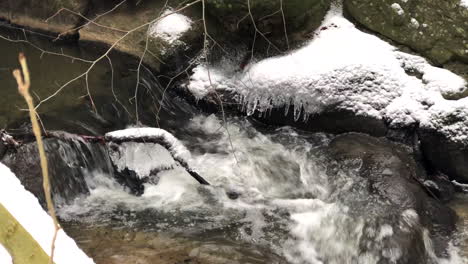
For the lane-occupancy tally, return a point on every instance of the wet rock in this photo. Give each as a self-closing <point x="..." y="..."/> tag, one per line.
<point x="445" y="154"/>
<point x="333" y="120"/>
<point x="392" y="184"/>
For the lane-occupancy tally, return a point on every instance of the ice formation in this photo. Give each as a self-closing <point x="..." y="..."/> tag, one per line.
<point x="348" y="69"/>
<point x="170" y="27"/>
<point x="144" y="159"/>
<point x="24" y="206"/>
<point x="149" y="134"/>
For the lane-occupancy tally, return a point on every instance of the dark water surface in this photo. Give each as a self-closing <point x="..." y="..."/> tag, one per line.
<point x="111" y="83"/>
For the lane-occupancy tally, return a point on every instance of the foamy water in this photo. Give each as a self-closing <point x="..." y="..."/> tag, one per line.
<point x="288" y="203"/>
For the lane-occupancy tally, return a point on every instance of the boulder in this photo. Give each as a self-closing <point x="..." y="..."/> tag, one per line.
<point x="444" y="154"/>
<point x="386" y="187"/>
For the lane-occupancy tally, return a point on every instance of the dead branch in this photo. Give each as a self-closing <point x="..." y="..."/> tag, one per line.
<point x="24" y="83"/>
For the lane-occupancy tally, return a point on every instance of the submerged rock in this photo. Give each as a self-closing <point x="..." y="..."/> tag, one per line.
<point x="107" y="245"/>
<point x="444" y="154"/>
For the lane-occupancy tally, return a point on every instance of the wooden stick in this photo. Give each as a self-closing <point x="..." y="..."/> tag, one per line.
<point x="24" y="84"/>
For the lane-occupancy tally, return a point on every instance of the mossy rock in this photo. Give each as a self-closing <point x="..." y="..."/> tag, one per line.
<point x="300" y="17"/>
<point x="437" y="29"/>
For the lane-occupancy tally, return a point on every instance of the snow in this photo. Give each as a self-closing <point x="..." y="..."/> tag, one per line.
<point x="206" y="79"/>
<point x="177" y="149"/>
<point x="348" y="69"/>
<point x="398" y="9"/>
<point x="170" y="27"/>
<point x="26" y="209"/>
<point x="5" y="257"/>
<point x="464" y="3"/>
<point x="414" y="23"/>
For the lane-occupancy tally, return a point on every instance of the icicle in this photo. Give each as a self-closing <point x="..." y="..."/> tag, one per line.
<point x="287" y="105"/>
<point x="297" y="111"/>
<point x="251" y="106"/>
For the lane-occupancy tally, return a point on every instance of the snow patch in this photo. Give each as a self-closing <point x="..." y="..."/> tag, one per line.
<point x="205" y="79"/>
<point x="398" y="9"/>
<point x="414" y="23"/>
<point x="5" y="257"/>
<point x="24" y="206"/>
<point x="170" y="27"/>
<point x="464" y="3"/>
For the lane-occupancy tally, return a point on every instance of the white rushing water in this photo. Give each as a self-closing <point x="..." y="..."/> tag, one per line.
<point x="287" y="204"/>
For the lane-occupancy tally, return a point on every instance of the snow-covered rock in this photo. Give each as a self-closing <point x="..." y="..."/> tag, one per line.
<point x="344" y="68"/>
<point x="26" y="209"/>
<point x="171" y="26"/>
<point x="346" y="80"/>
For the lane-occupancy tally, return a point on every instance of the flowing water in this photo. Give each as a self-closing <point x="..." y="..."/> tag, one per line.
<point x="294" y="206"/>
<point x="290" y="210"/>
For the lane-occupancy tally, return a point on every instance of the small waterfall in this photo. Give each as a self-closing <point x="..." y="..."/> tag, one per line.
<point x="70" y="159"/>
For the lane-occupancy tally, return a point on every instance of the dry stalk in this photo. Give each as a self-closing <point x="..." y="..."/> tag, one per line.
<point x="24" y="84"/>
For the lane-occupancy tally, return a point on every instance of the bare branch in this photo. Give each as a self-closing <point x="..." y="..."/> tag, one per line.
<point x="24" y="83"/>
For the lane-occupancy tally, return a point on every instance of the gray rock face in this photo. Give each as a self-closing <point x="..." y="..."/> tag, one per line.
<point x="437" y="29"/>
<point x="389" y="180"/>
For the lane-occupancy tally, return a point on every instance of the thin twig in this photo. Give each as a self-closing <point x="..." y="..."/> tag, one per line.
<point x="205" y="51"/>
